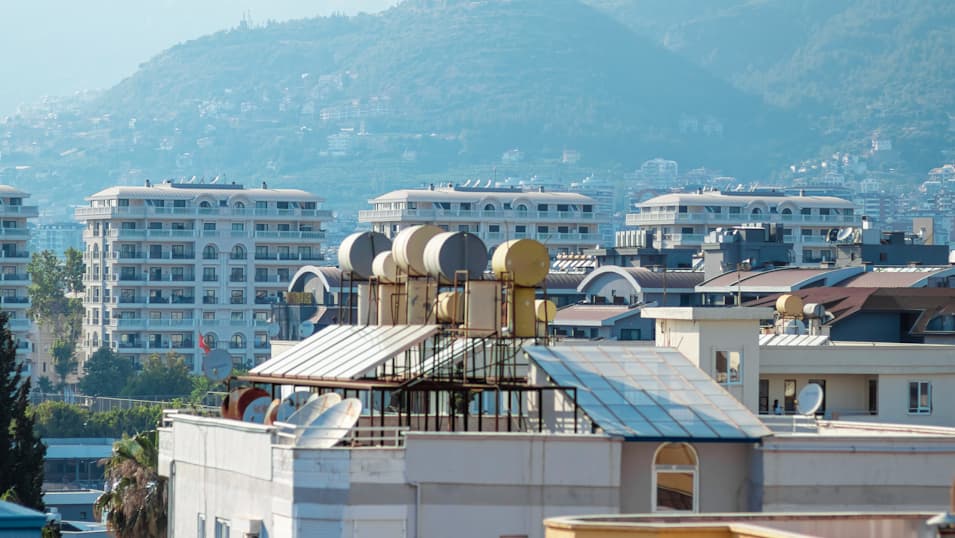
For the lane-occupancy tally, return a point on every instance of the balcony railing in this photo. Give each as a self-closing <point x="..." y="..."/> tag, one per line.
<point x="377" y="215"/>
<point x="289" y="256"/>
<point x="144" y="211"/>
<point x="19" y="210"/>
<point x="15" y="233"/>
<point x="669" y="217"/>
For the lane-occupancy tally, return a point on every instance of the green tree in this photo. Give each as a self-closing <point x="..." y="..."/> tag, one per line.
<point x="161" y="378"/>
<point x="60" y="419"/>
<point x="44" y="385"/>
<point x="50" y="279"/>
<point x="21" y="453"/>
<point x="105" y="373"/>
<point x="64" y="360"/>
<point x="73" y="269"/>
<point x="135" y="497"/>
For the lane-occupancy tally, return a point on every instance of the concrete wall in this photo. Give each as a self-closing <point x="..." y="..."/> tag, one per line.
<point x="875" y="473"/>
<point x="846" y="395"/>
<point x="724" y="478"/>
<point x="484" y="485"/>
<point x="894" y="399"/>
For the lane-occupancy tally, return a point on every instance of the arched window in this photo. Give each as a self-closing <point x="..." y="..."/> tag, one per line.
<point x="238" y="341"/>
<point x="238" y="252"/>
<point x="95" y="250"/>
<point x="210" y="252"/>
<point x="205" y="204"/>
<point x="787" y="211"/>
<point x="212" y="341"/>
<point x="239" y="205"/>
<point x="757" y="211"/>
<point x="675" y="478"/>
<point x="521" y="208"/>
<point x="489" y="207"/>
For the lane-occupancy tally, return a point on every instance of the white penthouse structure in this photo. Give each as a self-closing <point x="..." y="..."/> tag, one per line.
<point x="14" y="257"/>
<point x="167" y="263"/>
<point x="682" y="220"/>
<point x="565" y="222"/>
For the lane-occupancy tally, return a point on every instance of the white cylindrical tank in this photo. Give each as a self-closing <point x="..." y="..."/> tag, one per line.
<point x="525" y="260"/>
<point x="385" y="268"/>
<point x="358" y="250"/>
<point x="449" y="252"/>
<point x="450" y="307"/>
<point x="408" y="247"/>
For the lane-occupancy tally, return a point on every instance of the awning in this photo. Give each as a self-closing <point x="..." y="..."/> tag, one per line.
<point x="344" y="352"/>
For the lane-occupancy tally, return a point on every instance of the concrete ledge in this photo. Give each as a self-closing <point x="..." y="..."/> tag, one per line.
<point x="715" y="313"/>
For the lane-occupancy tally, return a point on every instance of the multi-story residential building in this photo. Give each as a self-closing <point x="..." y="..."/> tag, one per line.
<point x="57" y="237"/>
<point x="167" y="263"/>
<point x="682" y="220"/>
<point x="14" y="257"/>
<point x="563" y="221"/>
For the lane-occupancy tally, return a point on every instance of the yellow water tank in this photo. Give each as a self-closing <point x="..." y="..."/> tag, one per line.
<point x="789" y="306"/>
<point x="521" y="312"/>
<point x="545" y="310"/>
<point x="450" y="307"/>
<point x="525" y="260"/>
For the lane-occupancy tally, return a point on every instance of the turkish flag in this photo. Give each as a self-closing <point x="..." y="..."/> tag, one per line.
<point x="202" y="344"/>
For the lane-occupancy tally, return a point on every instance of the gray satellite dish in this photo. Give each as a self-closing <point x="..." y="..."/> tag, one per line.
<point x="331" y="426"/>
<point x="292" y="403"/>
<point x="844" y="234"/>
<point x="313" y="409"/>
<point x="217" y="365"/>
<point x="257" y="410"/>
<point x="809" y="399"/>
<point x="272" y="329"/>
<point x="306" y="328"/>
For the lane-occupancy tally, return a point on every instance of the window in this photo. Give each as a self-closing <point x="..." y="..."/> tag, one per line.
<point x="920" y="397"/>
<point x="210" y="252"/>
<point x="789" y="395"/>
<point x="542" y="229"/>
<point x="494" y="228"/>
<point x="764" y="397"/>
<point x="238" y="341"/>
<point x="209" y="297"/>
<point x="200" y="526"/>
<point x="222" y="528"/>
<point x="209" y="274"/>
<point x="237" y="297"/>
<point x="237" y="274"/>
<point x="238" y="226"/>
<point x="675" y="475"/>
<point x="542" y="208"/>
<point x="728" y="367"/>
<point x="261" y="274"/>
<point x="261" y="227"/>
<point x="209" y="226"/>
<point x="238" y="252"/>
<point x="735" y="210"/>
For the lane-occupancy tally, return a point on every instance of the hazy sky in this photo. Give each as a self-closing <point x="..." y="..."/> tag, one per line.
<point x="57" y="47"/>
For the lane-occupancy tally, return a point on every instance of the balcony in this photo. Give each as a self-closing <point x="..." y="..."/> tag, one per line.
<point x="451" y="215"/>
<point x="210" y="300"/>
<point x="14" y="233"/>
<point x="18" y="324"/>
<point x="24" y="211"/>
<point x="14" y="300"/>
<point x="670" y="217"/>
<point x="84" y="213"/>
<point x="128" y="300"/>
<point x="15" y="277"/>
<point x="14" y="255"/>
<point x="289" y="256"/>
<point x="289" y="236"/>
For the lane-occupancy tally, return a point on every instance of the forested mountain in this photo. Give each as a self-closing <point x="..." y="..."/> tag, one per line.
<point x="348" y="106"/>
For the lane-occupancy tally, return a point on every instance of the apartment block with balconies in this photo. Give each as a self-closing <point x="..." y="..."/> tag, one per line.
<point x="563" y="221"/>
<point x="14" y="257"/>
<point x="682" y="220"/>
<point x="167" y="264"/>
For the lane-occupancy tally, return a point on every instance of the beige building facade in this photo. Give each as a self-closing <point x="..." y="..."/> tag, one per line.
<point x="14" y="257"/>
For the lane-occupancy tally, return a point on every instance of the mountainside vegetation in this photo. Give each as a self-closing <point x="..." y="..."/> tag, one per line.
<point x="430" y="89"/>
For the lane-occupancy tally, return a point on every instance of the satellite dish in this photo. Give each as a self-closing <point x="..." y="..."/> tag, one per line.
<point x="313" y="409"/>
<point x="257" y="410"/>
<point x="832" y="235"/>
<point x="272" y="411"/>
<point x="306" y="328"/>
<point x="292" y="403"/>
<point x="844" y="234"/>
<point x="809" y="399"/>
<point x="331" y="426"/>
<point x="272" y="329"/>
<point x="217" y="365"/>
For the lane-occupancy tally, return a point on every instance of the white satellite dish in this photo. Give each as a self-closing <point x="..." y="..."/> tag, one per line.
<point x="257" y="410"/>
<point x="844" y="234"/>
<point x="272" y="329"/>
<point x="313" y="409"/>
<point x="292" y="403"/>
<point x="217" y="365"/>
<point x="331" y="426"/>
<point x="306" y="328"/>
<point x="809" y="400"/>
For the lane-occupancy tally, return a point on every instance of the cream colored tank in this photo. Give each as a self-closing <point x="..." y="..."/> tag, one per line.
<point x="408" y="248"/>
<point x="450" y="307"/>
<point x="385" y="268"/>
<point x="525" y="260"/>
<point x="545" y="310"/>
<point x="789" y="305"/>
<point x="450" y="252"/>
<point x="521" y="309"/>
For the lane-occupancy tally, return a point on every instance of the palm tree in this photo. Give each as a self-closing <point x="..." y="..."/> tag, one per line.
<point x="135" y="497"/>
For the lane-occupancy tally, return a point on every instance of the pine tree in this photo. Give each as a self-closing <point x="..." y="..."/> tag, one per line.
<point x="21" y="452"/>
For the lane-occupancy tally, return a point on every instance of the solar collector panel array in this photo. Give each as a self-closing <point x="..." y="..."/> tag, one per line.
<point x="344" y="351"/>
<point x="647" y="392"/>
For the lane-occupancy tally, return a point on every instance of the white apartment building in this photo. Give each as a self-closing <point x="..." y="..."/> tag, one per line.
<point x="14" y="257"/>
<point x="682" y="220"/>
<point x="565" y="222"/>
<point x="167" y="263"/>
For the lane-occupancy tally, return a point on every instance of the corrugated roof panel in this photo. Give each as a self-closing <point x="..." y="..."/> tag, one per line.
<point x="637" y="391"/>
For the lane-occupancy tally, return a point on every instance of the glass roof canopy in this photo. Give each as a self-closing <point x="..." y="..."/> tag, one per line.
<point x="642" y="392"/>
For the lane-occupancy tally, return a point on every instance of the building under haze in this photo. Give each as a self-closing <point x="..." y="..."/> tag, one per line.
<point x="168" y="263"/>
<point x="563" y="221"/>
<point x="682" y="220"/>
<point x="14" y="257"/>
